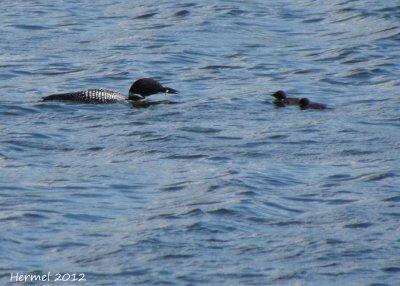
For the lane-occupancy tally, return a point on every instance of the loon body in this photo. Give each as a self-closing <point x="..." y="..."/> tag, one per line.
<point x="282" y="100"/>
<point x="140" y="89"/>
<point x="89" y="96"/>
<point x="305" y="103"/>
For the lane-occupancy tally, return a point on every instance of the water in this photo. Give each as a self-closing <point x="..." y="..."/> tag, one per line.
<point x="214" y="185"/>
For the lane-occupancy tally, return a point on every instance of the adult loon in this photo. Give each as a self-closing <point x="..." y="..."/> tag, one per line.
<point x="140" y="89"/>
<point x="282" y="100"/>
<point x="305" y="103"/>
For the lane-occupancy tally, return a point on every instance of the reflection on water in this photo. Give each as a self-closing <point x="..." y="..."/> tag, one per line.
<point x="148" y="103"/>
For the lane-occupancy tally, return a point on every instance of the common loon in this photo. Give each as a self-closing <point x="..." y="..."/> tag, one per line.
<point x="282" y="100"/>
<point x="305" y="103"/>
<point x="140" y="89"/>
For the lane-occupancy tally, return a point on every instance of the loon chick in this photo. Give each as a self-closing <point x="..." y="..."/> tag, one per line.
<point x="305" y="103"/>
<point x="140" y="89"/>
<point x="282" y="100"/>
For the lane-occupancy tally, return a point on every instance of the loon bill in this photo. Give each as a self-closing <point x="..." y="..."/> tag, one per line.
<point x="140" y="89"/>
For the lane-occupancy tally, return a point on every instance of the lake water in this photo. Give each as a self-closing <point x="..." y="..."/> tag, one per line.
<point x="215" y="185"/>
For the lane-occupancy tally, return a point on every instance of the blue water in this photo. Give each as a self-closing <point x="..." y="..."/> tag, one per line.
<point x="214" y="185"/>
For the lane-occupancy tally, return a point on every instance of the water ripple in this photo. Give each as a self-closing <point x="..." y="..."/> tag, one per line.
<point x="213" y="185"/>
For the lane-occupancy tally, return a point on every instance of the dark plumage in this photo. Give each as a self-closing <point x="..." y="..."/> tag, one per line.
<point x="140" y="89"/>
<point x="282" y="100"/>
<point x="305" y="103"/>
<point x="148" y="86"/>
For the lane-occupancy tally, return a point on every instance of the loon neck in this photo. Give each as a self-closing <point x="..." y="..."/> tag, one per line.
<point x="135" y="96"/>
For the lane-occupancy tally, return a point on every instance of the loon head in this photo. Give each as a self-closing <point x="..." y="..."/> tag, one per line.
<point x="147" y="86"/>
<point x="304" y="102"/>
<point x="279" y="95"/>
